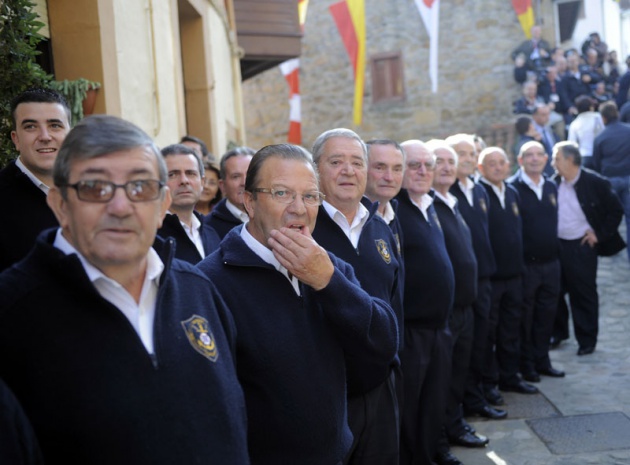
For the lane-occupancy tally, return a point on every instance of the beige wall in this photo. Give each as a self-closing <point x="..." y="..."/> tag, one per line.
<point x="134" y="49"/>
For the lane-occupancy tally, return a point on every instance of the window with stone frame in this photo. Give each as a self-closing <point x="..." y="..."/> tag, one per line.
<point x="387" y="77"/>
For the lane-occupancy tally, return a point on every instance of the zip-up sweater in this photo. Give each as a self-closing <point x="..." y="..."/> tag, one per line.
<point x="376" y="264"/>
<point x="93" y="393"/>
<point x="291" y="350"/>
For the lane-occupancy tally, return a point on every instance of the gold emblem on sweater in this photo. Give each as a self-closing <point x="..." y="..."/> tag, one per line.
<point x="552" y="199"/>
<point x="482" y="204"/>
<point x="200" y="337"/>
<point x="398" y="246"/>
<point x="383" y="249"/>
<point x="515" y="208"/>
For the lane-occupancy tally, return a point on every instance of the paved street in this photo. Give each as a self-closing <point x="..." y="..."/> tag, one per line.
<point x="583" y="418"/>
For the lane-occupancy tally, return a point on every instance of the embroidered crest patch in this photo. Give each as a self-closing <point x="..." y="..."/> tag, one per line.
<point x="200" y="337"/>
<point x="515" y="208"/>
<point x="482" y="204"/>
<point x="552" y="199"/>
<point x="383" y="249"/>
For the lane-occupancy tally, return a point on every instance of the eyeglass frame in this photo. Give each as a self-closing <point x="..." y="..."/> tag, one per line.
<point x="272" y="191"/>
<point x="76" y="186"/>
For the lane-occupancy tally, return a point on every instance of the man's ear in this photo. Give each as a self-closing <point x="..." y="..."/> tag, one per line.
<point x="221" y="183"/>
<point x="16" y="140"/>
<point x="165" y="204"/>
<point x="248" y="203"/>
<point x="58" y="205"/>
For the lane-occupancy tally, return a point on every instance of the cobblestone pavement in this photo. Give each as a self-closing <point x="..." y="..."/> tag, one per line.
<point x="588" y="411"/>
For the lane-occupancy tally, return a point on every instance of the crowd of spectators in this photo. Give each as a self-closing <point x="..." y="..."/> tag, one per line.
<point x="559" y="78"/>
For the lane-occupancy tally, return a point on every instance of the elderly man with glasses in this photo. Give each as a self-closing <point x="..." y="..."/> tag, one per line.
<point x="117" y="352"/>
<point x="302" y="318"/>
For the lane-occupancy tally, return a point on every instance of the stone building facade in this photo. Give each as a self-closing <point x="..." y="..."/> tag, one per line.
<point x="475" y="93"/>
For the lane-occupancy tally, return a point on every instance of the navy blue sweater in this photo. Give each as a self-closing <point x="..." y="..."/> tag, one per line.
<point x="221" y="219"/>
<point x="460" y="250"/>
<point x="376" y="264"/>
<point x="291" y="352"/>
<point x="506" y="232"/>
<point x="429" y="278"/>
<point x="93" y="393"/>
<point x="540" y="221"/>
<point x="185" y="249"/>
<point x="476" y="217"/>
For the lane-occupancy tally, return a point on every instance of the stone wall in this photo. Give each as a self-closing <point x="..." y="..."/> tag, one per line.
<point x="475" y="93"/>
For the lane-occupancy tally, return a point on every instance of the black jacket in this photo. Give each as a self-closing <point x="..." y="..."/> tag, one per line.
<point x="184" y="247"/>
<point x="602" y="209"/>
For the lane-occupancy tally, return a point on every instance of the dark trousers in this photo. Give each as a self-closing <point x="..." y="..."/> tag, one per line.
<point x="621" y="186"/>
<point x="375" y="424"/>
<point x="541" y="288"/>
<point x="473" y="396"/>
<point x="503" y="351"/>
<point x="461" y="325"/>
<point x="426" y="365"/>
<point x="579" y="278"/>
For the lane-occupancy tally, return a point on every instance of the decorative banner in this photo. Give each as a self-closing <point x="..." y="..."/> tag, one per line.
<point x="430" y="13"/>
<point x="291" y="71"/>
<point x="349" y="16"/>
<point x="525" y="13"/>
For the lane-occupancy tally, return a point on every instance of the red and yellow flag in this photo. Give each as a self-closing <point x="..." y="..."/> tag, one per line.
<point x="349" y="16"/>
<point x="525" y="13"/>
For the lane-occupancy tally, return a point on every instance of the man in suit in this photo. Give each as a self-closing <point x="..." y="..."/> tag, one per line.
<point x="589" y="213"/>
<point x="41" y="120"/>
<point x="611" y="156"/>
<point x="230" y="211"/>
<point x="194" y="239"/>
<point x="541" y="279"/>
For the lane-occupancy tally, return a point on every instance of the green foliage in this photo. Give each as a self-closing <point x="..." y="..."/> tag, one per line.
<point x="19" y="36"/>
<point x="75" y="92"/>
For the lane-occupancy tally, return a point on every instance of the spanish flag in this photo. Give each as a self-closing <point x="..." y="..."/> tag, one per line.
<point x="525" y="13"/>
<point x="349" y="15"/>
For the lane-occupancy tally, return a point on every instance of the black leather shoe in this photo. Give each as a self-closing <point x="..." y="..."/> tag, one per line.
<point x="521" y="387"/>
<point x="446" y="458"/>
<point x="531" y="376"/>
<point x="470" y="440"/>
<point x="488" y="412"/>
<point x="586" y="350"/>
<point x="493" y="396"/>
<point x="468" y="427"/>
<point x="551" y="371"/>
<point x="554" y="342"/>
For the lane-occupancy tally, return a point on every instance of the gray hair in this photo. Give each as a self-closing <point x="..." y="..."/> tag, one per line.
<point x="386" y="142"/>
<point x="181" y="149"/>
<point x="332" y="133"/>
<point x="99" y="135"/>
<point x="235" y="152"/>
<point x="435" y="144"/>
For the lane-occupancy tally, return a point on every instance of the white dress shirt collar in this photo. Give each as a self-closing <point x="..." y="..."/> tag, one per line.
<point x="267" y="256"/>
<point x="237" y="212"/>
<point x="141" y="315"/>
<point x="352" y="231"/>
<point x="34" y="179"/>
